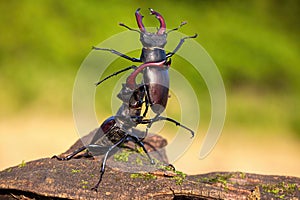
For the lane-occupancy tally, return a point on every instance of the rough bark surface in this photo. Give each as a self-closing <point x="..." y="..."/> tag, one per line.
<point x="130" y="176"/>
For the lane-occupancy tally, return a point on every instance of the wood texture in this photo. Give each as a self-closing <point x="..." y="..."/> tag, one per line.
<point x="135" y="178"/>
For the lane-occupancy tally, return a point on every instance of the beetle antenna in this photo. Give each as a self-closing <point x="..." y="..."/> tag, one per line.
<point x="175" y="29"/>
<point x="131" y="29"/>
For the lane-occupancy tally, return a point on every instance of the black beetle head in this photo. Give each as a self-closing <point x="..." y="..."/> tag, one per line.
<point x="158" y="39"/>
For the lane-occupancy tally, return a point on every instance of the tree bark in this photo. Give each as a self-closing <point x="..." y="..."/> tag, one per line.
<point x="129" y="176"/>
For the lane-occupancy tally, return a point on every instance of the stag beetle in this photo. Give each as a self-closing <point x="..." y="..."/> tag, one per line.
<point x="118" y="129"/>
<point x="155" y="73"/>
<point x="113" y="132"/>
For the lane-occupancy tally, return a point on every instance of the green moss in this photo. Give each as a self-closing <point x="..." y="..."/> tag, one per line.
<point x="122" y="156"/>
<point x="280" y="190"/>
<point x="22" y="164"/>
<point x="145" y="176"/>
<point x="84" y="184"/>
<point x="218" y="178"/>
<point x="140" y="150"/>
<point x="73" y="171"/>
<point x="179" y="178"/>
<point x="139" y="161"/>
<point x="140" y="158"/>
<point x="242" y="175"/>
<point x="166" y="167"/>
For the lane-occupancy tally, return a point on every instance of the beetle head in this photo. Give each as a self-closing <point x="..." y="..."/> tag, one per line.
<point x="148" y="39"/>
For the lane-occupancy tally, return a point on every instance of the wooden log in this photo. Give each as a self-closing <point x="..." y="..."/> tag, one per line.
<point x="134" y="178"/>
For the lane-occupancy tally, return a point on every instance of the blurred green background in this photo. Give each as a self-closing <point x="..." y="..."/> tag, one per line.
<point x="255" y="45"/>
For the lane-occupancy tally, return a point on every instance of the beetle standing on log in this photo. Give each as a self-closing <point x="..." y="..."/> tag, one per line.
<point x="153" y="91"/>
<point x="118" y="129"/>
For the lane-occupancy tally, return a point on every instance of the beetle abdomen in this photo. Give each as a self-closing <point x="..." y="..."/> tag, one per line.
<point x="157" y="84"/>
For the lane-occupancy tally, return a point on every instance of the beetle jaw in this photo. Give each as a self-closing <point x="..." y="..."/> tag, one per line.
<point x="148" y="39"/>
<point x="161" y="20"/>
<point x="139" y="20"/>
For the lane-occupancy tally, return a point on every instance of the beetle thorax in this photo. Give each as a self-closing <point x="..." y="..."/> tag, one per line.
<point x="150" y="40"/>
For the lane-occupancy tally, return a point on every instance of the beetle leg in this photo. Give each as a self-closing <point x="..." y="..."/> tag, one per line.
<point x="70" y="155"/>
<point x="149" y="122"/>
<point x="146" y="101"/>
<point x="159" y="118"/>
<point x="119" y="54"/>
<point x="159" y="153"/>
<point x="131" y="29"/>
<point x="115" y="73"/>
<point x="141" y="144"/>
<point x="105" y="159"/>
<point x="179" y="45"/>
<point x="175" y="29"/>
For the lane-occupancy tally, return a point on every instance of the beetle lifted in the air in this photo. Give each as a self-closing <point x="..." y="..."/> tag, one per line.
<point x="155" y="72"/>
